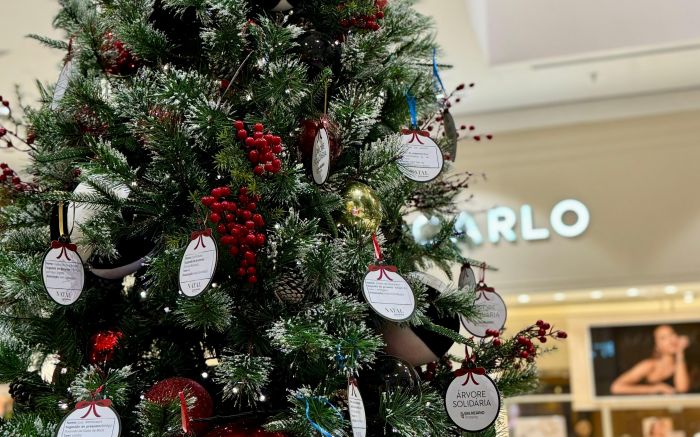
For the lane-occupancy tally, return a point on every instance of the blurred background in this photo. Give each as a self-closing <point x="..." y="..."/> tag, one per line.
<point x="593" y="103"/>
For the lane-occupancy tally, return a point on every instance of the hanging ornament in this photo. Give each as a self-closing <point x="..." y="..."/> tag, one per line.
<point x="467" y="279"/>
<point x="103" y="345"/>
<point x="93" y="418"/>
<point x="279" y="5"/>
<point x="387" y="292"/>
<point x="319" y="147"/>
<point x="451" y="134"/>
<point x="168" y="390"/>
<point x="415" y="344"/>
<point x="491" y="307"/>
<point x="62" y="270"/>
<point x="289" y="288"/>
<point x="361" y="208"/>
<point x="421" y="159"/>
<point x="67" y="72"/>
<point x="198" y="264"/>
<point x="472" y="400"/>
<point x="356" y="409"/>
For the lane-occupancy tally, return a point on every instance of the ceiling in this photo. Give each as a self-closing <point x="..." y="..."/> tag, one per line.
<point x="547" y="62"/>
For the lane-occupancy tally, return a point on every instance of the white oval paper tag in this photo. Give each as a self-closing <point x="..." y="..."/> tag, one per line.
<point x="421" y="159"/>
<point x="493" y="313"/>
<point x="388" y="293"/>
<point x="472" y="401"/>
<point x="62" y="273"/>
<point x="91" y="420"/>
<point x="62" y="84"/>
<point x="356" y="408"/>
<point x="321" y="157"/>
<point x="198" y="263"/>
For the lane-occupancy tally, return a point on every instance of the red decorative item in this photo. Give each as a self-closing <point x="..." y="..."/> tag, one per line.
<point x="241" y="228"/>
<point x="10" y="178"/>
<point x="263" y="148"/>
<point x="103" y="345"/>
<point x="116" y="57"/>
<point x="241" y="430"/>
<point x="309" y="130"/>
<point x="168" y="390"/>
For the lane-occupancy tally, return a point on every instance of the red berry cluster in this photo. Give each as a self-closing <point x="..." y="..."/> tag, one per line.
<point x="10" y="177"/>
<point x="495" y="333"/>
<point x="240" y="228"/>
<point x="365" y="21"/>
<point x="117" y="59"/>
<point x="432" y="369"/>
<point x="263" y="148"/>
<point x="541" y="330"/>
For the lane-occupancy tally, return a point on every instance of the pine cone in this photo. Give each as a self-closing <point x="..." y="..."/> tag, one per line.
<point x="290" y="288"/>
<point x="24" y="388"/>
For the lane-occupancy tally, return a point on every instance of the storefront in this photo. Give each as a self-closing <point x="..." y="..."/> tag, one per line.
<point x="610" y="265"/>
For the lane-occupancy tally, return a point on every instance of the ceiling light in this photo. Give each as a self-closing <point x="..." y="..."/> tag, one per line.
<point x="596" y="294"/>
<point x="688" y="297"/>
<point x="670" y="289"/>
<point x="523" y="298"/>
<point x="559" y="297"/>
<point x="633" y="292"/>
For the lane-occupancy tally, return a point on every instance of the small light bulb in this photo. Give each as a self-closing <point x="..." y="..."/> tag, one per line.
<point x="205" y="375"/>
<point x="143" y="294"/>
<point x="263" y="398"/>
<point x="235" y="390"/>
<point x="166" y="309"/>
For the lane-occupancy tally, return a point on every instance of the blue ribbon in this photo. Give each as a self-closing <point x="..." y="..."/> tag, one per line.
<point x="315" y="425"/>
<point x="437" y="74"/>
<point x="411" y="100"/>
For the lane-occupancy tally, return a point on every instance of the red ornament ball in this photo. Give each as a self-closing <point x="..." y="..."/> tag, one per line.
<point x="103" y="345"/>
<point x="168" y="390"/>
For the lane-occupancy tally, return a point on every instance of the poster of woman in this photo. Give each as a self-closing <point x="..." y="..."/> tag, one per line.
<point x="659" y="359"/>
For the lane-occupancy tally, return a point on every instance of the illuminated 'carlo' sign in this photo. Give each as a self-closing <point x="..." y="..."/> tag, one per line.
<point x="502" y="223"/>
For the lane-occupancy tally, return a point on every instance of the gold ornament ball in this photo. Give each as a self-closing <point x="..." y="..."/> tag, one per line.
<point x="361" y="208"/>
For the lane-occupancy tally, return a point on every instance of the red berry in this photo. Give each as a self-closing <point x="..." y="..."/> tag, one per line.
<point x="252" y="206"/>
<point x="497" y="342"/>
<point x="238" y="124"/>
<point x="246" y="214"/>
<point x="16" y="180"/>
<point x="524" y="354"/>
<point x="8" y="171"/>
<point x="543" y="339"/>
<point x="250" y="225"/>
<point x="253" y="156"/>
<point x="214" y="217"/>
<point x="344" y="23"/>
<point x="243" y="190"/>
<point x="546" y="326"/>
<point x="250" y="257"/>
<point x="3" y="131"/>
<point x="258" y="136"/>
<point x="258" y="127"/>
<point x="541" y="332"/>
<point x="251" y="239"/>
<point x="260" y="144"/>
<point x="258" y="219"/>
<point x="471" y="128"/>
<point x="242" y="134"/>
<point x="276" y="165"/>
<point x="221" y="228"/>
<point x="379" y="15"/>
<point x="269" y="168"/>
<point x="225" y="191"/>
<point x="260" y="240"/>
<point x="230" y="206"/>
<point x="488" y="137"/>
<point x="3" y="178"/>
<point x="252" y="279"/>
<point x="277" y="148"/>
<point x="241" y="271"/>
<point x="522" y="340"/>
<point x="230" y="217"/>
<point x="276" y="140"/>
<point x="250" y="142"/>
<point x="233" y="250"/>
<point x="477" y="138"/>
<point x="539" y="323"/>
<point x="226" y="240"/>
<point x="251" y="270"/>
<point x="562" y="334"/>
<point x="208" y="200"/>
<point x="259" y="170"/>
<point x="3" y="165"/>
<point x="216" y="207"/>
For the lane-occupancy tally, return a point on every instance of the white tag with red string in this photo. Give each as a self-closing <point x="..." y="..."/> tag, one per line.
<point x="491" y="307"/>
<point x="356" y="409"/>
<point x="467" y="278"/>
<point x="472" y="400"/>
<point x="421" y="159"/>
<point x="62" y="269"/>
<point x="198" y="263"/>
<point x="94" y="418"/>
<point x="387" y="292"/>
<point x="321" y="155"/>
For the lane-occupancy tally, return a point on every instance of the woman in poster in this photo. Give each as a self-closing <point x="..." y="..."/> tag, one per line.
<point x="665" y="372"/>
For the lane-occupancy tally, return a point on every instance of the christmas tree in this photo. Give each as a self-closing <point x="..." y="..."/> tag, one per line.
<point x="214" y="241"/>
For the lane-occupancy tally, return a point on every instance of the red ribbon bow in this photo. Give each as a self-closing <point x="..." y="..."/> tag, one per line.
<point x="415" y="134"/>
<point x="55" y="244"/>
<point x="382" y="269"/>
<point x="92" y="406"/>
<point x="200" y="234"/>
<point x="482" y="289"/>
<point x="353" y="384"/>
<point x="470" y="372"/>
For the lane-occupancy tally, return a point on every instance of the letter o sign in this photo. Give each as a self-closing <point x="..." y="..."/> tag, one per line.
<point x="556" y="218"/>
